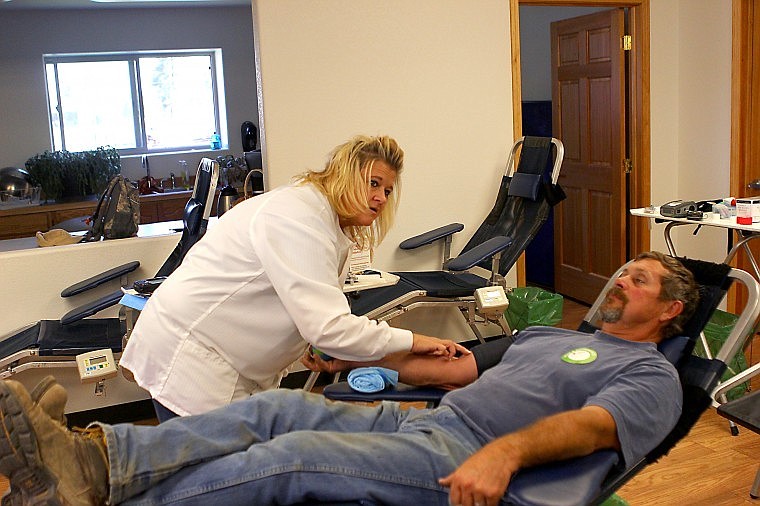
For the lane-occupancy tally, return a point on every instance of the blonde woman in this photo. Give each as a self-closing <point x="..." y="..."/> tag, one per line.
<point x="266" y="281"/>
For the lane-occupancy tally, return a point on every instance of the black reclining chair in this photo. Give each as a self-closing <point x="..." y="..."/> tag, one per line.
<point x="594" y="478"/>
<point x="74" y="333"/>
<point x="527" y="192"/>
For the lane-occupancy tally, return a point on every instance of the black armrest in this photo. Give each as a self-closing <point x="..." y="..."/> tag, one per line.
<point x="341" y="391"/>
<point x="91" y="308"/>
<point x="431" y="236"/>
<point x="570" y="482"/>
<point x="479" y="253"/>
<point x="100" y="279"/>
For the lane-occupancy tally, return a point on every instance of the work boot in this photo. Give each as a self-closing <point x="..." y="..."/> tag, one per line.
<point x="51" y="397"/>
<point x="45" y="462"/>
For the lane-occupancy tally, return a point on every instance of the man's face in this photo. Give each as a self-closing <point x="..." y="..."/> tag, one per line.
<point x="635" y="297"/>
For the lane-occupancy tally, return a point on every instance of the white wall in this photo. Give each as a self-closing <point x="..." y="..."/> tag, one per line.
<point x="435" y="74"/>
<point x="691" y="110"/>
<point x="28" y="34"/>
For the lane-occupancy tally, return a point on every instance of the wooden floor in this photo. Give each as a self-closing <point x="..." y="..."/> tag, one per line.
<point x="709" y="467"/>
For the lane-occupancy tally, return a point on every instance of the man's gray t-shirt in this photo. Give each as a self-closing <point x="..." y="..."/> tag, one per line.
<point x="550" y="370"/>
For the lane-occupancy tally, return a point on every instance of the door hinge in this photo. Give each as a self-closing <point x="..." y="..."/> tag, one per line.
<point x="627" y="166"/>
<point x="627" y="42"/>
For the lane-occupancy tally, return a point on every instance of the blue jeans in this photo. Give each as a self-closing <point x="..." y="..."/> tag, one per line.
<point x="286" y="446"/>
<point x="162" y="412"/>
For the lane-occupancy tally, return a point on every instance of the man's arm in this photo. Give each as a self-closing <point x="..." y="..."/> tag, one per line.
<point x="483" y="478"/>
<point x="421" y="370"/>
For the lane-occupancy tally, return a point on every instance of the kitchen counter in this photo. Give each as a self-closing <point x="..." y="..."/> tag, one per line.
<point x="25" y="221"/>
<point x="146" y="230"/>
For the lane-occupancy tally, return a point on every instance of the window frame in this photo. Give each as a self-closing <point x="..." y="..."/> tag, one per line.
<point x="132" y="58"/>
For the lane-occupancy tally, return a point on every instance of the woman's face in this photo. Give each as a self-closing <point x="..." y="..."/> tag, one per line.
<point x="380" y="187"/>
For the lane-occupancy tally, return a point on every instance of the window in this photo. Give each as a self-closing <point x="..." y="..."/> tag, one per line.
<point x="143" y="102"/>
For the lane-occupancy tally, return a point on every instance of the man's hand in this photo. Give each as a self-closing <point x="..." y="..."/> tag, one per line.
<point x="426" y="345"/>
<point x="315" y="363"/>
<point x="482" y="479"/>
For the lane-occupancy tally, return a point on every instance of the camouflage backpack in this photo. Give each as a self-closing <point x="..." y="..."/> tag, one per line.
<point x="117" y="214"/>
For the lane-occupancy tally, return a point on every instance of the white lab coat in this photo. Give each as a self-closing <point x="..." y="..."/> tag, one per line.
<point x="262" y="283"/>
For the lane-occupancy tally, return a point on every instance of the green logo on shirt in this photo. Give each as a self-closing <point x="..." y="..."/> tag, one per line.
<point x="579" y="356"/>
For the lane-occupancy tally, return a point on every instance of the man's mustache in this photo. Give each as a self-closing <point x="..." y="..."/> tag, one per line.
<point x="617" y="292"/>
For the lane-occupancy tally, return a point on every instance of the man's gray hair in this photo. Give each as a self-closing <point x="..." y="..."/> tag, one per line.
<point x="678" y="284"/>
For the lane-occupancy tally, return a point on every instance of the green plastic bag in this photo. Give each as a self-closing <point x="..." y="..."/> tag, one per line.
<point x="530" y="305"/>
<point x="615" y="500"/>
<point x="716" y="332"/>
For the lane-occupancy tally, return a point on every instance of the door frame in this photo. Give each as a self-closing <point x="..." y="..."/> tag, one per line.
<point x="638" y="110"/>
<point x="745" y="113"/>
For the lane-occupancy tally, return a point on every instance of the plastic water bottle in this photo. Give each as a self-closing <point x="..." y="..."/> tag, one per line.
<point x="216" y="141"/>
<point x="183" y="172"/>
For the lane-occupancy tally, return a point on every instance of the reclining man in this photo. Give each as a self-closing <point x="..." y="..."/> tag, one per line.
<point x="555" y="394"/>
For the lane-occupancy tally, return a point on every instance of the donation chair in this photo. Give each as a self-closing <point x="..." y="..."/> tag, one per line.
<point x="58" y="341"/>
<point x="593" y="478"/>
<point x="525" y="197"/>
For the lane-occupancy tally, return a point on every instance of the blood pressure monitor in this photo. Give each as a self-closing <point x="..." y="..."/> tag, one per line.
<point x="491" y="299"/>
<point x="96" y="365"/>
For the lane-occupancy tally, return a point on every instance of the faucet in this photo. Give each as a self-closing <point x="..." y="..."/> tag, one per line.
<point x="171" y="177"/>
<point x="145" y="165"/>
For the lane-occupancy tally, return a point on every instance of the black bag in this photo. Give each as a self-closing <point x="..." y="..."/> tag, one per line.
<point x="117" y="214"/>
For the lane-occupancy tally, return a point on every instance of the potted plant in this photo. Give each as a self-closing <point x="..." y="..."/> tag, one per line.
<point x="72" y="175"/>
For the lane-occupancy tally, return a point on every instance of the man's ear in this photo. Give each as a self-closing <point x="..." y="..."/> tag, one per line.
<point x="673" y="309"/>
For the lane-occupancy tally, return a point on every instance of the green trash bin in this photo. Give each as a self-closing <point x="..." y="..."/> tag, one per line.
<point x="530" y="305"/>
<point x="716" y="332"/>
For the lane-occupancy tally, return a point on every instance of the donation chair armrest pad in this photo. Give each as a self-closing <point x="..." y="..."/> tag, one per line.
<point x="402" y="392"/>
<point x="479" y="253"/>
<point x="573" y="482"/>
<point x="431" y="236"/>
<point x="99" y="279"/>
<point x="91" y="308"/>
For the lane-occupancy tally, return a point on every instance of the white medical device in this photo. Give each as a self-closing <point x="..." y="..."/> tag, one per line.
<point x="96" y="365"/>
<point x="491" y="300"/>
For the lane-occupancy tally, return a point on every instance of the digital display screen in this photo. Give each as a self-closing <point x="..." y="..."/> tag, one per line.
<point x="98" y="360"/>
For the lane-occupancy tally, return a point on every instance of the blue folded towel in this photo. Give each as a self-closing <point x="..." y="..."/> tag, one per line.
<point x="372" y="379"/>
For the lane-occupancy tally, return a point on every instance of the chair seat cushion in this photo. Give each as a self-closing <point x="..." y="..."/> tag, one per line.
<point x="444" y="284"/>
<point x="433" y="283"/>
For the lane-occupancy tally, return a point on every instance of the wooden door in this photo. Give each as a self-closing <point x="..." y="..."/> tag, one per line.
<point x="745" y="119"/>
<point x="588" y="116"/>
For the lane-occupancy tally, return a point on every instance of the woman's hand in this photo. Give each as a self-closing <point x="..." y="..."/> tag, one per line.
<point x="315" y="363"/>
<point x="426" y="345"/>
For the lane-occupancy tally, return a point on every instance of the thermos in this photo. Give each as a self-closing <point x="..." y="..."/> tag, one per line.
<point x="249" y="135"/>
<point x="227" y="198"/>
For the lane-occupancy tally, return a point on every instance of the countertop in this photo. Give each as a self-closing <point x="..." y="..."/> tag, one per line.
<point x="146" y="230"/>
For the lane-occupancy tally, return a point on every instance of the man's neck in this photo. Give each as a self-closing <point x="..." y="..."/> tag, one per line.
<point x="638" y="333"/>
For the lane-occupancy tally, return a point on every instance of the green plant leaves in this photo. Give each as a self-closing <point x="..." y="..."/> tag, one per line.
<point x="70" y="174"/>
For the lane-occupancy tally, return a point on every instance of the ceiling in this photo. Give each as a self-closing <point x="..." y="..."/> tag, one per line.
<point x="112" y="4"/>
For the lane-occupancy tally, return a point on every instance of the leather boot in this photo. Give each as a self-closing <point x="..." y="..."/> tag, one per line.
<point x="45" y="462"/>
<point x="51" y="397"/>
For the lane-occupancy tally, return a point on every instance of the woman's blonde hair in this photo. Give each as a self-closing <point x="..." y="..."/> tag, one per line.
<point x="345" y="182"/>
